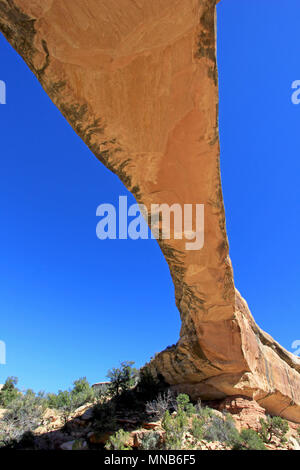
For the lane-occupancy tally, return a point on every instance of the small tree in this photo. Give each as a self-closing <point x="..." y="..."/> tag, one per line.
<point x="273" y="427"/>
<point x="62" y="402"/>
<point x="183" y="403"/>
<point x="148" y="385"/>
<point x="82" y="392"/>
<point x="249" y="440"/>
<point x="175" y="427"/>
<point x="9" y="391"/>
<point x="122" y="378"/>
<point x="67" y="401"/>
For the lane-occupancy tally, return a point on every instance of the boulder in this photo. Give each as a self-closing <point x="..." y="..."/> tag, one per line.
<point x="245" y="411"/>
<point x="87" y="415"/>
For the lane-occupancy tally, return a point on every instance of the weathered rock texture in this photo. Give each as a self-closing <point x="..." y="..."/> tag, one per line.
<point x="137" y="80"/>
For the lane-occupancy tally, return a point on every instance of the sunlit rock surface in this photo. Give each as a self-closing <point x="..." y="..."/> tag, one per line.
<point x="137" y="80"/>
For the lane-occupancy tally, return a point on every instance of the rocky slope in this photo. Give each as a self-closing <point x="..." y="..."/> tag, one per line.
<point x="81" y="430"/>
<point x="137" y="80"/>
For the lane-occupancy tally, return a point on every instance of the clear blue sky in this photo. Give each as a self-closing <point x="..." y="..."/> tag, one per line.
<point x="72" y="305"/>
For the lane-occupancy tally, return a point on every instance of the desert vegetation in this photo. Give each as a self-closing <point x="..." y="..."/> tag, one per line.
<point x="133" y="410"/>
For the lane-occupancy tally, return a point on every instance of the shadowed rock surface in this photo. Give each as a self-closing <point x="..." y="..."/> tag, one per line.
<point x="137" y="80"/>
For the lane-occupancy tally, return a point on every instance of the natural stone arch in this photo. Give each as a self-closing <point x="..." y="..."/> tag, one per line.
<point x="137" y="80"/>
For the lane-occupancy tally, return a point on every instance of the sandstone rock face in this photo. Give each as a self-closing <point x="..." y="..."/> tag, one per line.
<point x="137" y="80"/>
<point x="245" y="411"/>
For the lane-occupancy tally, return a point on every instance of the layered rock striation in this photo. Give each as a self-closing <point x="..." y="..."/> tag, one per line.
<point x="137" y="80"/>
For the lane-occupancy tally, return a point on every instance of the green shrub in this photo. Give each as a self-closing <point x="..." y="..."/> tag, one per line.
<point x="221" y="430"/>
<point x="101" y="394"/>
<point x="148" y="386"/>
<point x="249" y="440"/>
<point x="273" y="427"/>
<point x="119" y="441"/>
<point x="67" y="401"/>
<point x="197" y="429"/>
<point x="82" y="392"/>
<point x="9" y="391"/>
<point x="105" y="416"/>
<point x="128" y="400"/>
<point x="122" y="378"/>
<point x="63" y="402"/>
<point x="150" y="441"/>
<point x="204" y="413"/>
<point x="175" y="427"/>
<point x="60" y="400"/>
<point x="183" y="403"/>
<point x="23" y="416"/>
